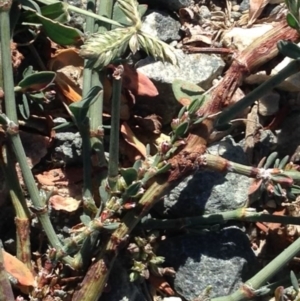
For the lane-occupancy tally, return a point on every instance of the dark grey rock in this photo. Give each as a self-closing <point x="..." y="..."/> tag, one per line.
<point x="162" y="25"/>
<point x="172" y="5"/>
<point x="289" y="135"/>
<point x="208" y="191"/>
<point x="221" y="259"/>
<point x="197" y="68"/>
<point x="120" y="286"/>
<point x="68" y="147"/>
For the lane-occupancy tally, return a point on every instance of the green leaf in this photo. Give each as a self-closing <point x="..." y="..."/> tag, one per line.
<point x="181" y="129"/>
<point x="24" y="107"/>
<point x="294" y="281"/>
<point x="284" y="162"/>
<point x="111" y="226"/>
<point x="56" y="11"/>
<point x="85" y="219"/>
<point x="137" y="165"/>
<point x="31" y="5"/>
<point x="35" y="82"/>
<point x="132" y="190"/>
<point x="289" y="49"/>
<point x="295" y="189"/>
<point x="79" y="109"/>
<point x="270" y="160"/>
<point x="164" y="169"/>
<point x="182" y="111"/>
<point x="28" y="71"/>
<point x="129" y="175"/>
<point x="59" y="33"/>
<point x="3" y="119"/>
<point x="103" y="194"/>
<point x="63" y="126"/>
<point x="292" y="21"/>
<point x="186" y="92"/>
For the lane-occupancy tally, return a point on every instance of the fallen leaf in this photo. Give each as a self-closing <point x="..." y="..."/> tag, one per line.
<point x="255" y="10"/>
<point x="64" y="203"/>
<point x="161" y="284"/>
<point x="138" y="83"/>
<point x="130" y="138"/>
<point x="18" y="269"/>
<point x="68" y="66"/>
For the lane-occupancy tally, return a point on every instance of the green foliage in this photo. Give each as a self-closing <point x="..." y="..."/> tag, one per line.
<point x="35" y="82"/>
<point x="103" y="48"/>
<point x="79" y="109"/>
<point x="293" y="14"/>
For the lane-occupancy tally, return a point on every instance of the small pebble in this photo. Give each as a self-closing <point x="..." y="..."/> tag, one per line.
<point x="269" y="104"/>
<point x="235" y="15"/>
<point x="235" y="8"/>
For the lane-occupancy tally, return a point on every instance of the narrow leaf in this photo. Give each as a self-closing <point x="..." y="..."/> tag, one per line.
<point x="35" y="82"/>
<point x="59" y="33"/>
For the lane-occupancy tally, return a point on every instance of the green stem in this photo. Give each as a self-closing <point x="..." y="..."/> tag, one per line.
<point x="83" y="12"/>
<point x="13" y="133"/>
<point x="91" y="287"/>
<point x="230" y="112"/>
<point x="242" y="214"/>
<point x="113" y="164"/>
<point x="247" y="291"/>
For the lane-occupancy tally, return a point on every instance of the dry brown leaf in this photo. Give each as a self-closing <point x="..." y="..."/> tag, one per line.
<point x="161" y="284"/>
<point x="138" y="83"/>
<point x="18" y="269"/>
<point x="64" y="203"/>
<point x="130" y="138"/>
<point x="256" y="8"/>
<point x="68" y="66"/>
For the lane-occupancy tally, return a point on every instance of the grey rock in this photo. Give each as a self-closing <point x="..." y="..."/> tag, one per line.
<point x="221" y="259"/>
<point x="161" y="25"/>
<point x="208" y="191"/>
<point x="204" y="14"/>
<point x="68" y="147"/>
<point x="197" y="68"/>
<point x="77" y="20"/>
<point x="121" y="287"/>
<point x="235" y="15"/>
<point x="244" y="5"/>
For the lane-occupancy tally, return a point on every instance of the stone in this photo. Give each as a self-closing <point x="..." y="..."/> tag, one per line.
<point x="208" y="191"/>
<point x="68" y="147"/>
<point x="161" y="25"/>
<point x="222" y="259"/>
<point x="269" y="104"/>
<point x="244" y="5"/>
<point x="172" y="5"/>
<point x="77" y="20"/>
<point x="197" y="68"/>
